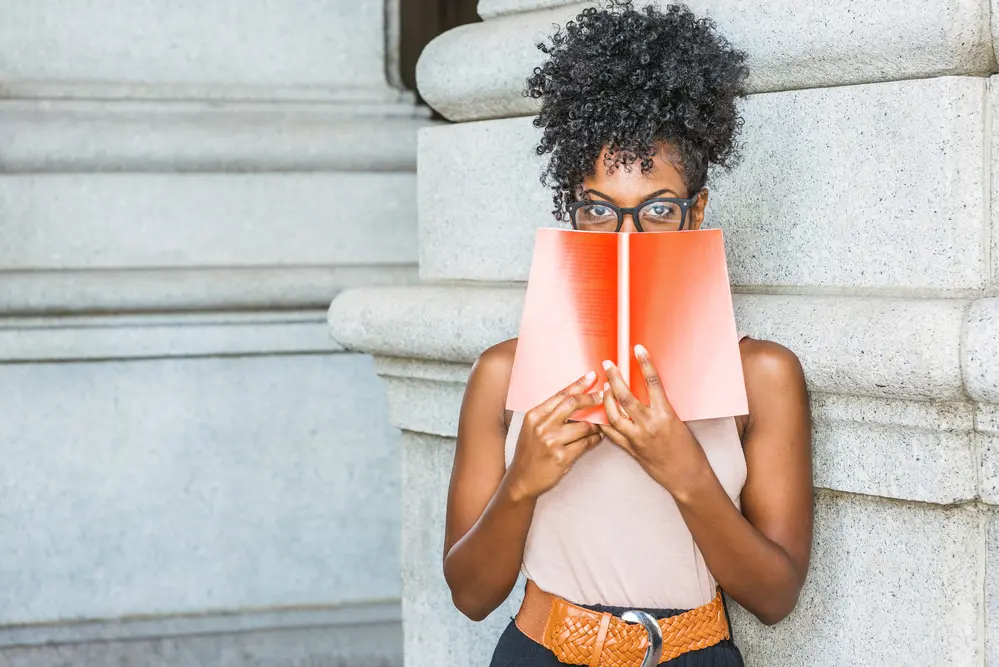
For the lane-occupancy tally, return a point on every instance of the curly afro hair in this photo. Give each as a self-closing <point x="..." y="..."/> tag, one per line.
<point x="630" y="80"/>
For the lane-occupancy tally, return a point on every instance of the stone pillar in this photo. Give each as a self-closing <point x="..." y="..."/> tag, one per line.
<point x="193" y="473"/>
<point x="859" y="234"/>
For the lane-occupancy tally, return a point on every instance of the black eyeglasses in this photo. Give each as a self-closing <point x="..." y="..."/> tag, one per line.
<point x="662" y="214"/>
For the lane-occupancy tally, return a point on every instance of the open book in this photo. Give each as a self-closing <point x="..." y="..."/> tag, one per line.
<point x="594" y="295"/>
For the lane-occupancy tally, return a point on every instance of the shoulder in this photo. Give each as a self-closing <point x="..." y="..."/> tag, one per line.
<point x="775" y="389"/>
<point x="489" y="382"/>
<point x="496" y="363"/>
<point x="775" y="385"/>
<point x="768" y="364"/>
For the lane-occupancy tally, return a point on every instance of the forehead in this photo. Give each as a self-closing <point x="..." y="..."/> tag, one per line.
<point x="626" y="180"/>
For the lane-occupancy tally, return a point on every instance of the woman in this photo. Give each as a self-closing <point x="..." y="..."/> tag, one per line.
<point x="647" y="512"/>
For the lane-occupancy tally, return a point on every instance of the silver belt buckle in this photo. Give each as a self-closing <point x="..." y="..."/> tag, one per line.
<point x="654" y="651"/>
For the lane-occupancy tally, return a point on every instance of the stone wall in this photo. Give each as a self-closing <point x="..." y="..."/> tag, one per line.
<point x="859" y="233"/>
<point x="193" y="473"/>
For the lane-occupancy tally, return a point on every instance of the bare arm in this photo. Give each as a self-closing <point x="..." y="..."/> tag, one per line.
<point x="489" y="508"/>
<point x="760" y="556"/>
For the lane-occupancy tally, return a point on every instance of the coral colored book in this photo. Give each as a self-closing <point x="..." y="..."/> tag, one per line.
<point x="595" y="295"/>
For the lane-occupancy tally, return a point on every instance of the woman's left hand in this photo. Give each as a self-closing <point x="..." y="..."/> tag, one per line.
<point x="653" y="435"/>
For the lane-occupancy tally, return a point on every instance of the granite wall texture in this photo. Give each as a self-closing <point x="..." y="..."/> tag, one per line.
<point x="859" y="233"/>
<point x="194" y="473"/>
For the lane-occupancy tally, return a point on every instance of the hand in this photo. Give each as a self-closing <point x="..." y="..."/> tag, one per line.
<point x="549" y="444"/>
<point x="653" y="435"/>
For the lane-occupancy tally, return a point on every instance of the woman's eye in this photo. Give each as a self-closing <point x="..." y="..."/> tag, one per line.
<point x="664" y="211"/>
<point x="597" y="211"/>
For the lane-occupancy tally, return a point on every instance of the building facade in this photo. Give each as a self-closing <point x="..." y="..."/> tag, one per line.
<point x="193" y="472"/>
<point x="859" y="233"/>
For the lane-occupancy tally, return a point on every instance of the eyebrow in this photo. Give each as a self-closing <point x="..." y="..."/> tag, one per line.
<point x="645" y="198"/>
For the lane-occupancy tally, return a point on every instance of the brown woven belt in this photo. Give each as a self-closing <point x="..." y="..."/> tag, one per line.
<point x="579" y="636"/>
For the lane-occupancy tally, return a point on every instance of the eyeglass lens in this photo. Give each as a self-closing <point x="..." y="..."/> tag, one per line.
<point x="654" y="216"/>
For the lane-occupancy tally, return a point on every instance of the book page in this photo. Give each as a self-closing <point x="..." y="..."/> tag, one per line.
<point x="569" y="323"/>
<point x="681" y="311"/>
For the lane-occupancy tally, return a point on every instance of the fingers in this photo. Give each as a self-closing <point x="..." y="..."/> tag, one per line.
<point x="579" y="447"/>
<point x="657" y="395"/>
<point x="577" y="387"/>
<point x="569" y="433"/>
<point x="611" y="407"/>
<point x="616" y="437"/>
<point x="571" y="404"/>
<point x="621" y="422"/>
<point x="621" y="391"/>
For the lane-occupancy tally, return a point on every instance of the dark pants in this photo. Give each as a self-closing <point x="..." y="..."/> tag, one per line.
<point x="515" y="649"/>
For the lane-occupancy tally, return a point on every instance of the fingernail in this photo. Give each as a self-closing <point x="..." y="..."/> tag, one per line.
<point x="590" y="376"/>
<point x="640" y="351"/>
<point x="607" y="365"/>
<point x="606" y="386"/>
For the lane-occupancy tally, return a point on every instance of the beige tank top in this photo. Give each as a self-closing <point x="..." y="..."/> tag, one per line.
<point x="610" y="534"/>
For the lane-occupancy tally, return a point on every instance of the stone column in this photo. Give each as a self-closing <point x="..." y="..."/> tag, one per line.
<point x="193" y="473"/>
<point x="859" y="234"/>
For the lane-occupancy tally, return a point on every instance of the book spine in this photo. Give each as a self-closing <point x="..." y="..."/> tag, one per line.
<point x="624" y="306"/>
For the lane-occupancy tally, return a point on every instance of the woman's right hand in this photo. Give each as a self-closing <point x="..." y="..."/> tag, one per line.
<point x="549" y="444"/>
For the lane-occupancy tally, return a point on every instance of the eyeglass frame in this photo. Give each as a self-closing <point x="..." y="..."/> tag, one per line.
<point x="684" y="204"/>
